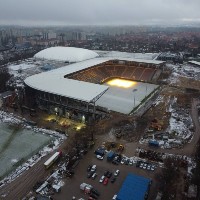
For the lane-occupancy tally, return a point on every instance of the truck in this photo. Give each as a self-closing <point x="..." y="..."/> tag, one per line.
<point x="153" y="143"/>
<point x="110" y="156"/>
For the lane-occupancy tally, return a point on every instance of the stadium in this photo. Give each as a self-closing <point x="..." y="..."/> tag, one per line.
<point x="90" y="86"/>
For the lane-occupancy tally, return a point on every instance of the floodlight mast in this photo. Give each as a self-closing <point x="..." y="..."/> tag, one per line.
<point x="134" y="90"/>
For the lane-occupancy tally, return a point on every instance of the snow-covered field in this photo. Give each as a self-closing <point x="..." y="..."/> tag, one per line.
<point x="124" y="100"/>
<point x="18" y="144"/>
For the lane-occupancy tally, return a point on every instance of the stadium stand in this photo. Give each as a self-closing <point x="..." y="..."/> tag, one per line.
<point x="100" y="73"/>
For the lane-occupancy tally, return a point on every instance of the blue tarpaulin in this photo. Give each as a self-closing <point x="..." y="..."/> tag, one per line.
<point x="134" y="188"/>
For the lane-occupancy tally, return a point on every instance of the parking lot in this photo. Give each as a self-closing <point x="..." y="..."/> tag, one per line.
<point x="72" y="185"/>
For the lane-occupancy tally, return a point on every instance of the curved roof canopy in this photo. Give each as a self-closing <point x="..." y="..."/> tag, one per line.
<point x="54" y="81"/>
<point x="66" y="54"/>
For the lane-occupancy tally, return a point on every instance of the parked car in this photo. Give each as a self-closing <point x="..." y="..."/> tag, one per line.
<point x="123" y="160"/>
<point x="94" y="175"/>
<point x="106" y="173"/>
<point x="138" y="163"/>
<point x="116" y="172"/>
<point x="114" y="197"/>
<point x="93" y="196"/>
<point x="93" y="169"/>
<point x="90" y="174"/>
<point x="141" y="164"/>
<point x="145" y="166"/>
<point x="130" y="162"/>
<point x="153" y="167"/>
<point x="149" y="167"/>
<point x="105" y="182"/>
<point x="95" y="192"/>
<point x="127" y="162"/>
<point x="102" y="179"/>
<point x="113" y="179"/>
<point x="115" y="162"/>
<point x="109" y="174"/>
<point x="89" y="168"/>
<point x="99" y="157"/>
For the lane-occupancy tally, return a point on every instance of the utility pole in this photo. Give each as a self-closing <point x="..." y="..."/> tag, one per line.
<point x="134" y="90"/>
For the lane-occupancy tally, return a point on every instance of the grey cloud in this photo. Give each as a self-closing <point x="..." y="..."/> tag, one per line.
<point x="97" y="11"/>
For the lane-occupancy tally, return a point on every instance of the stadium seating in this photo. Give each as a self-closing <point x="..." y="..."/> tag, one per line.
<point x="100" y="73"/>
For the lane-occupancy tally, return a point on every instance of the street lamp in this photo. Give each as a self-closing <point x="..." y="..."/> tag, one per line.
<point x="146" y="91"/>
<point x="134" y="90"/>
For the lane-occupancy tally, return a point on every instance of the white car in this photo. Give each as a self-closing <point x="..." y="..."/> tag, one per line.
<point x="149" y="167"/>
<point x="102" y="179"/>
<point x="94" y="175"/>
<point x="123" y="160"/>
<point x="130" y="162"/>
<point x="114" y="197"/>
<point x="141" y="165"/>
<point x="116" y="173"/>
<point x="99" y="157"/>
<point x="153" y="167"/>
<point x="145" y="166"/>
<point x="93" y="169"/>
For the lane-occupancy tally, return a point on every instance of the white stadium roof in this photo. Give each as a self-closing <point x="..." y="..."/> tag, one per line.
<point x="66" y="54"/>
<point x="54" y="81"/>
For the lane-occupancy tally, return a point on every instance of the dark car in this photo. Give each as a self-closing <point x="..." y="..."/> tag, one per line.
<point x="106" y="173"/>
<point x="119" y="158"/>
<point x="93" y="196"/>
<point x="138" y="163"/>
<point x="89" y="168"/>
<point x="89" y="175"/>
<point x="95" y="192"/>
<point x="109" y="174"/>
<point x="127" y="162"/>
<point x="113" y="179"/>
<point x="115" y="162"/>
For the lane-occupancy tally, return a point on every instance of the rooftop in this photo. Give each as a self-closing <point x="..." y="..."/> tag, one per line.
<point x="66" y="54"/>
<point x="134" y="187"/>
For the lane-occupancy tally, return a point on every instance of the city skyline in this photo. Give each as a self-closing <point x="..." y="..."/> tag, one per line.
<point x="88" y="12"/>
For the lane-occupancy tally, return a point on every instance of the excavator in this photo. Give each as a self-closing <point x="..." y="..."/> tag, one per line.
<point x="120" y="147"/>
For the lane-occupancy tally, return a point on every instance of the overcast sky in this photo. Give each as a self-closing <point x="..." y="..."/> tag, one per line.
<point x="98" y="12"/>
